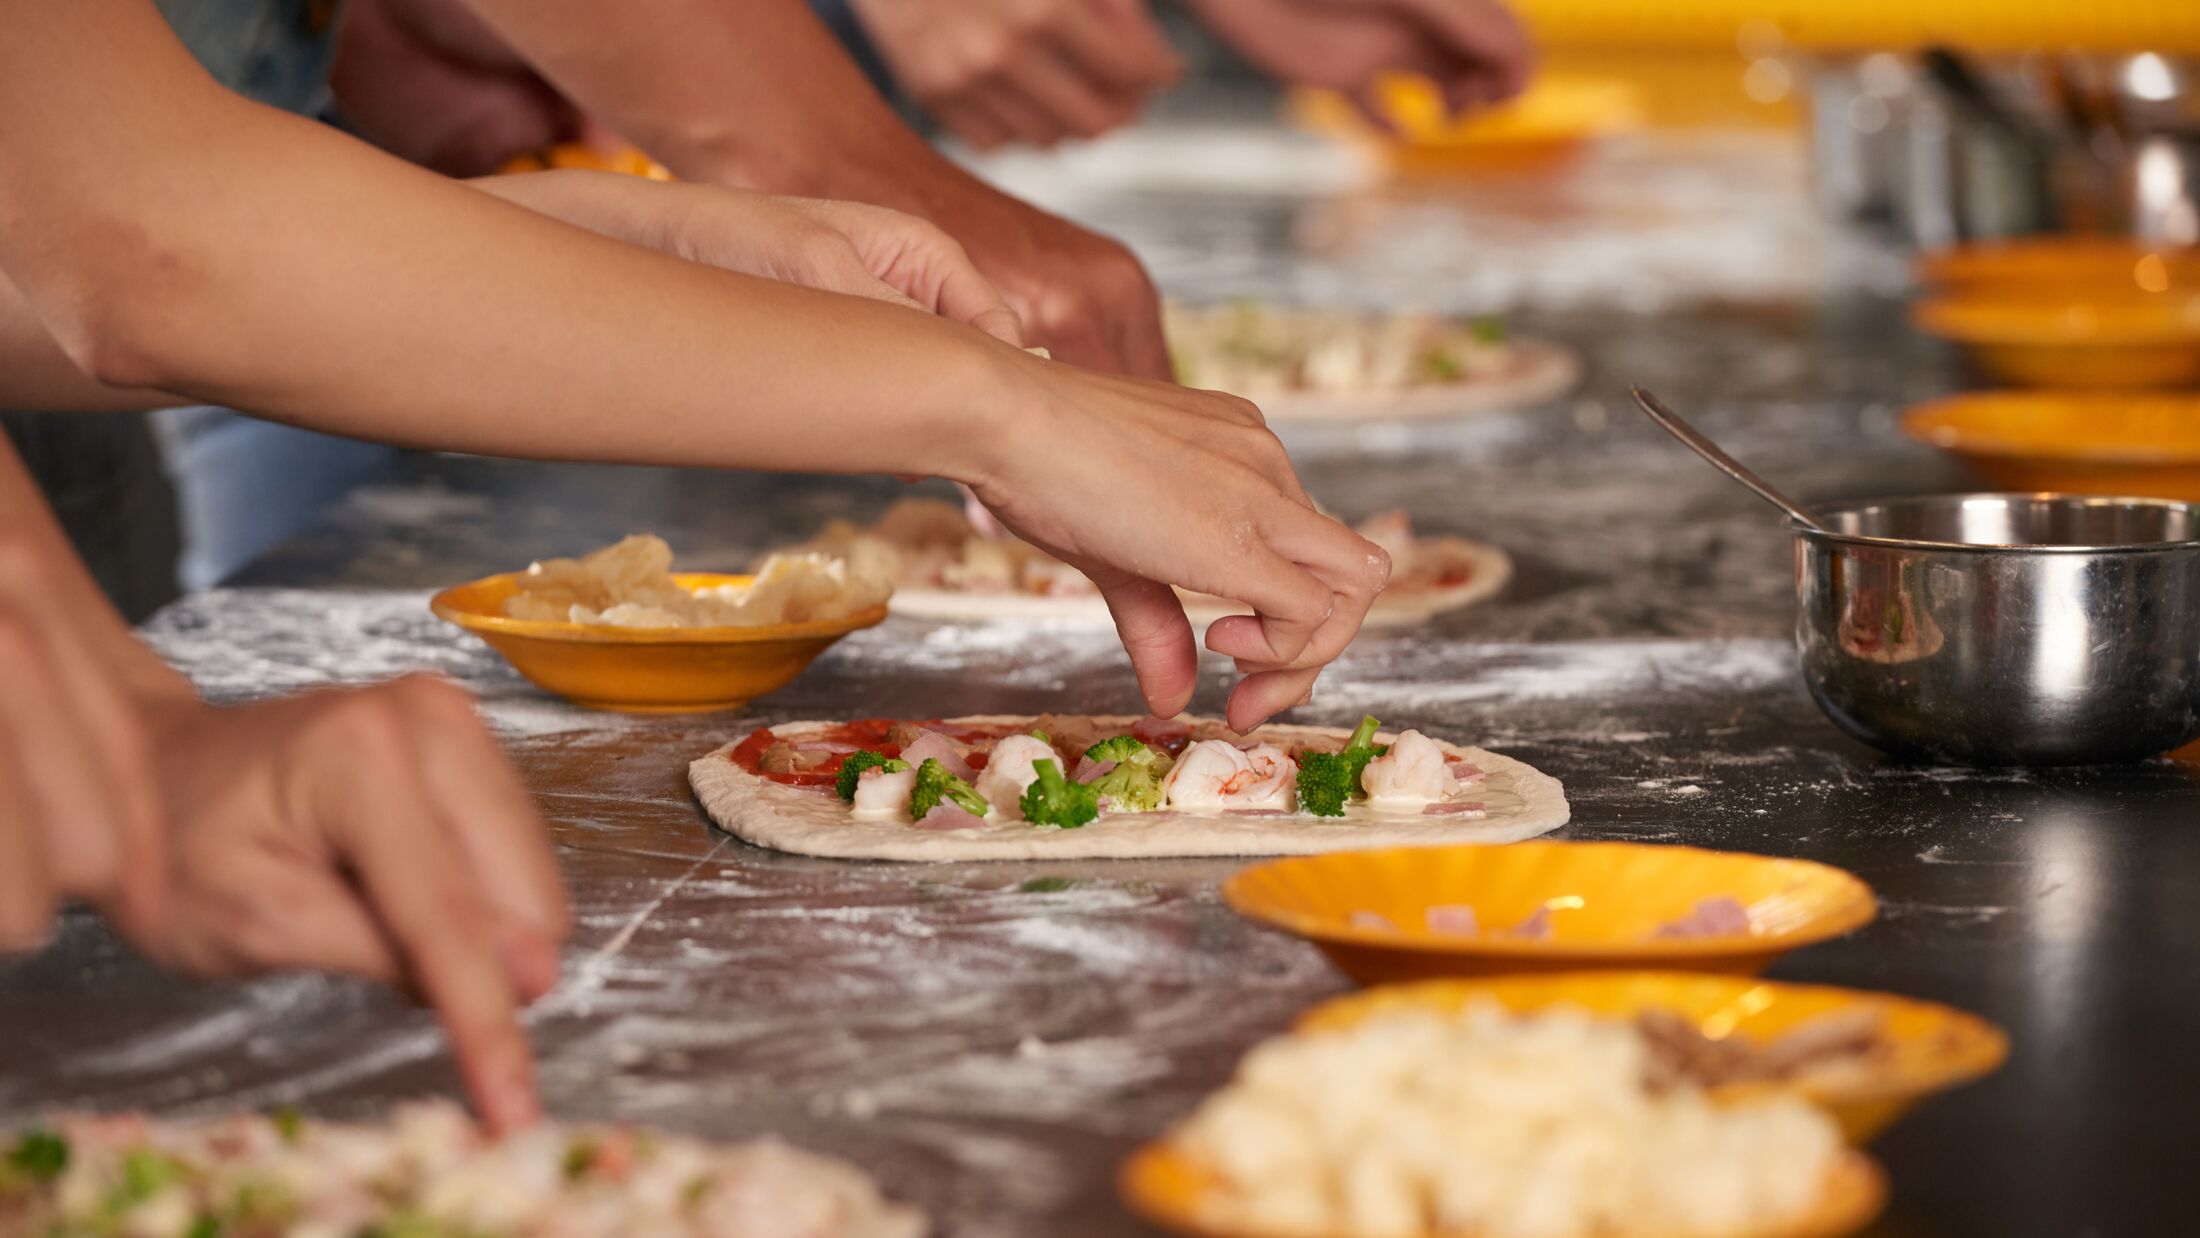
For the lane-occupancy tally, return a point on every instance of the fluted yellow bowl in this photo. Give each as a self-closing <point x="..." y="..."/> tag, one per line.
<point x="1931" y="1047"/>
<point x="2144" y="443"/>
<point x="2032" y="339"/>
<point x="645" y="670"/>
<point x="1605" y="899"/>
<point x="1171" y="1189"/>
<point x="2072" y="265"/>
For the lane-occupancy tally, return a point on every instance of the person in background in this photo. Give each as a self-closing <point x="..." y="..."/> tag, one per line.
<point x="1045" y="71"/>
<point x="164" y="240"/>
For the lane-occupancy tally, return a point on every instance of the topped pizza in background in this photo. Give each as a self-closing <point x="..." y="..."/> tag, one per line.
<point x="1340" y="365"/>
<point x="945" y="566"/>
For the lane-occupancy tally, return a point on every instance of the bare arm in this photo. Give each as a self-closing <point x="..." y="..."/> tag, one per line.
<point x="759" y="93"/>
<point x="296" y="273"/>
<point x="36" y="372"/>
<point x="174" y="237"/>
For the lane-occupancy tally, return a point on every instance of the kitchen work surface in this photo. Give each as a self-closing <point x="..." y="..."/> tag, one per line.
<point x="989" y="1040"/>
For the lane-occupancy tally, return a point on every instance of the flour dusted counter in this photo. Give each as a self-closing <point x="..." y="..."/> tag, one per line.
<point x="990" y="1039"/>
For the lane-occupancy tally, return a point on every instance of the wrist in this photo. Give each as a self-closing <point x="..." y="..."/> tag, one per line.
<point x="984" y="420"/>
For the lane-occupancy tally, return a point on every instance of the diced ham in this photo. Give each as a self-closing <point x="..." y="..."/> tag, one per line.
<point x="785" y="758"/>
<point x="1089" y="770"/>
<point x="1536" y="927"/>
<point x="1167" y="734"/>
<point x="1466" y="771"/>
<point x="1721" y="915"/>
<point x="1455" y="808"/>
<point x="1452" y="919"/>
<point x="947" y="816"/>
<point x="931" y="745"/>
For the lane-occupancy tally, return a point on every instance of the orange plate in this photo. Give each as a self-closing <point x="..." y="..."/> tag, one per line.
<point x="2073" y="265"/>
<point x="2080" y="442"/>
<point x="1556" y="115"/>
<point x="645" y="670"/>
<point x="2038" y="340"/>
<point x="1605" y="899"/>
<point x="1170" y="1189"/>
<point x="1935" y="1047"/>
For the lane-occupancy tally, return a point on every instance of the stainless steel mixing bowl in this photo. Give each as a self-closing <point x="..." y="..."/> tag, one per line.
<point x="2005" y="629"/>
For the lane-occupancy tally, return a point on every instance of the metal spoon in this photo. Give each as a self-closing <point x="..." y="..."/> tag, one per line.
<point x="1672" y="424"/>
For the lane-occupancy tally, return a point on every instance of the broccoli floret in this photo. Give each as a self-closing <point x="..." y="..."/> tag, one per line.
<point x="1488" y="329"/>
<point x="1120" y="748"/>
<point x="851" y="769"/>
<point x="40" y="1155"/>
<point x="935" y="782"/>
<point x="1134" y="785"/>
<point x="1054" y="800"/>
<point x="1328" y="779"/>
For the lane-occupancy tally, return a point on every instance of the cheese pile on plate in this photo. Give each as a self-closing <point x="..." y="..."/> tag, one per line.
<point x="1495" y="1124"/>
<point x="630" y="584"/>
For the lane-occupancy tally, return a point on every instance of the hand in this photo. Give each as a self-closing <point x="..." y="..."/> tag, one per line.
<point x="1475" y="50"/>
<point x="1083" y="296"/>
<point x="1035" y="71"/>
<point x="374" y="831"/>
<point x="429" y="82"/>
<point x="845" y="247"/>
<point x="1145" y="485"/>
<point x="79" y="817"/>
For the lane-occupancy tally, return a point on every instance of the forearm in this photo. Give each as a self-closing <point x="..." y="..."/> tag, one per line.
<point x="36" y="373"/>
<point x="750" y="92"/>
<point x="292" y="272"/>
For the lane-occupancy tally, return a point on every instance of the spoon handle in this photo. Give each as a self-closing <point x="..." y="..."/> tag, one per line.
<point x="1671" y="422"/>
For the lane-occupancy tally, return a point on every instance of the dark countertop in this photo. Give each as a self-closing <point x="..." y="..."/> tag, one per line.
<point x="990" y="1050"/>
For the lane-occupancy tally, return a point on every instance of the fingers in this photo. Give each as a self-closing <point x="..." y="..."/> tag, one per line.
<point x="1483" y="32"/>
<point x="73" y="797"/>
<point x="1119" y="47"/>
<point x="507" y="843"/>
<point x="27" y="896"/>
<point x="1140" y="340"/>
<point x="378" y="813"/>
<point x="1070" y="103"/>
<point x="971" y="123"/>
<point x="1158" y="636"/>
<point x="1264" y="694"/>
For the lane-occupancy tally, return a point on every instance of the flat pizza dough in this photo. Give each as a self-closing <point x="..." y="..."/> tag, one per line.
<point x="1541" y="371"/>
<point x="1489" y="570"/>
<point x="1522" y="802"/>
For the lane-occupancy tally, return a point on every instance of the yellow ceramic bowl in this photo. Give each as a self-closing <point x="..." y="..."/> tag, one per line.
<point x="1935" y="1047"/>
<point x="645" y="670"/>
<point x="1605" y="900"/>
<point x="2077" y="442"/>
<point x="2056" y="341"/>
<point x="1553" y="118"/>
<point x="2070" y="265"/>
<point x="1170" y="1189"/>
<point x="628" y="160"/>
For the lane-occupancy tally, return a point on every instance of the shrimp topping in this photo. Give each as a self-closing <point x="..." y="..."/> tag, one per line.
<point x="1008" y="771"/>
<point x="1415" y="772"/>
<point x="1215" y="773"/>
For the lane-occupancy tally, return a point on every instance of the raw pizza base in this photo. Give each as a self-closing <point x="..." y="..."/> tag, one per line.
<point x="1491" y="569"/>
<point x="1523" y="803"/>
<point x="1543" y="371"/>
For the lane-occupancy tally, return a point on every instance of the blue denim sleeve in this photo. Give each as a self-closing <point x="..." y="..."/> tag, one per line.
<point x="841" y="20"/>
